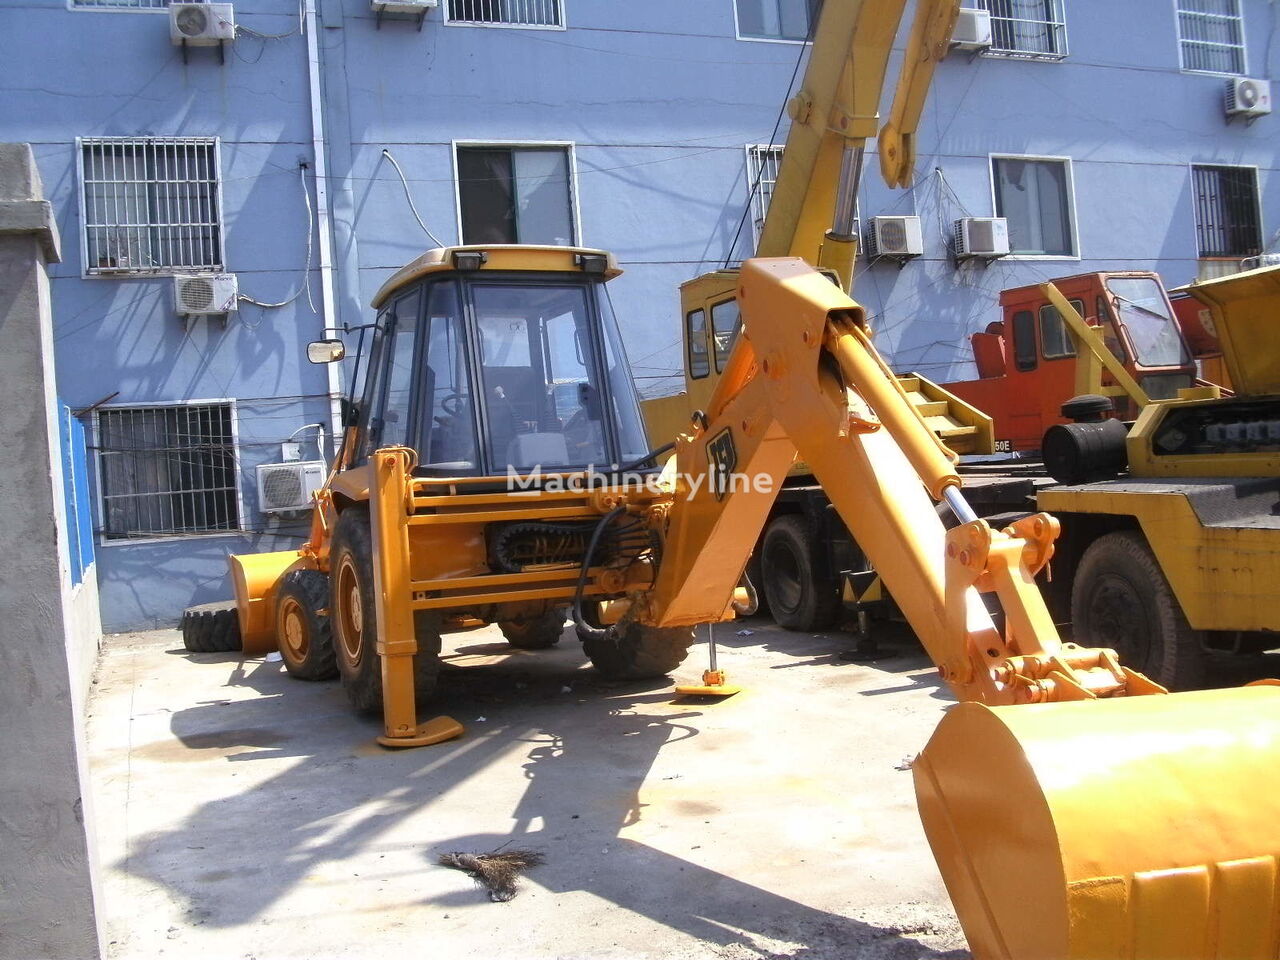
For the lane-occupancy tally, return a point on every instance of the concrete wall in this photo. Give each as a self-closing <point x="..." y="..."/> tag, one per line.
<point x="47" y="639"/>
<point x="659" y="100"/>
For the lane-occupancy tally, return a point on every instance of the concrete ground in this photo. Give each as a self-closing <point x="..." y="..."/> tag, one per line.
<point x="242" y="814"/>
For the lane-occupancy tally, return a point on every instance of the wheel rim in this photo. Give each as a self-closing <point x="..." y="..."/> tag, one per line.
<point x="784" y="582"/>
<point x="1118" y="620"/>
<point x="350" y="612"/>
<point x="293" y="633"/>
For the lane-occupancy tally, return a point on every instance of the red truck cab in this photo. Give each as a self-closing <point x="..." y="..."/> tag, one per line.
<point x="1027" y="360"/>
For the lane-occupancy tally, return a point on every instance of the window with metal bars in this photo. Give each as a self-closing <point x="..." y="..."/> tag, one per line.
<point x="167" y="470"/>
<point x="507" y="13"/>
<point x="1027" y="28"/>
<point x="150" y="205"/>
<point x="763" y="162"/>
<point x="1211" y="36"/>
<point x="123" y="4"/>
<point x="1227" y="222"/>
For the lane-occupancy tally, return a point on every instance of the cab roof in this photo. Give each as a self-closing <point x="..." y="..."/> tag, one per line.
<point x="505" y="257"/>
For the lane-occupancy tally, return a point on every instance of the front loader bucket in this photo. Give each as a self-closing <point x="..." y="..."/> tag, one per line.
<point x="254" y="577"/>
<point x="1133" y="828"/>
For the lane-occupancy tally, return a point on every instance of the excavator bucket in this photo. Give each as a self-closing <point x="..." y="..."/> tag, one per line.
<point x="1132" y="828"/>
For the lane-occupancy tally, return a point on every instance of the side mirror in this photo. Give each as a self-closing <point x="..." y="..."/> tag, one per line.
<point x="326" y="351"/>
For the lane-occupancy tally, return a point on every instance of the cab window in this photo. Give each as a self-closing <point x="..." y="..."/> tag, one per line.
<point x="696" y="334"/>
<point x="402" y="338"/>
<point x="724" y="330"/>
<point x="448" y="409"/>
<point x="1055" y="339"/>
<point x="1024" y="340"/>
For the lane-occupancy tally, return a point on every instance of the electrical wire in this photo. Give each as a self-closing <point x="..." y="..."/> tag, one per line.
<point x="408" y="196"/>
<point x="773" y="136"/>
<point x="306" y="270"/>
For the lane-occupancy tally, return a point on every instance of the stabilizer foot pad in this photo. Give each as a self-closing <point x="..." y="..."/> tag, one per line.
<point x="435" y="730"/>
<point x="707" y="690"/>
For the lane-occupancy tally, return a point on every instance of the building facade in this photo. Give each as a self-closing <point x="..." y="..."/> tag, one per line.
<point x="327" y="143"/>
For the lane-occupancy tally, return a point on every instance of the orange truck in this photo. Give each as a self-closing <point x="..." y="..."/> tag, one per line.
<point x="1028" y="365"/>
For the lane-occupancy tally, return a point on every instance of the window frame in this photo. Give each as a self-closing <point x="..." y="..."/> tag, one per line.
<point x="95" y="8"/>
<point x="1006" y="53"/>
<point x="1195" y="217"/>
<point x="706" y="340"/>
<point x="737" y="31"/>
<point x="99" y="534"/>
<point x="754" y="150"/>
<point x="449" y="22"/>
<point x="569" y="146"/>
<point x="81" y="209"/>
<point x="1182" y="61"/>
<point x="1045" y="355"/>
<point x="1071" y="203"/>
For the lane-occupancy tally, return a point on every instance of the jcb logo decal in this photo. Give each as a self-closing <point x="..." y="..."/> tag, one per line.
<point x="722" y="460"/>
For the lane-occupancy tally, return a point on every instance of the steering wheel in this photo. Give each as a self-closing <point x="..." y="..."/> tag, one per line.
<point x="453" y="403"/>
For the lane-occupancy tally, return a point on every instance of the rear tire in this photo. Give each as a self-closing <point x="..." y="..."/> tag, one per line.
<point x="354" y="625"/>
<point x="211" y="628"/>
<point x="629" y="651"/>
<point x="798" y="597"/>
<point x="1120" y="599"/>
<point x="303" y="626"/>
<point x="538" y="632"/>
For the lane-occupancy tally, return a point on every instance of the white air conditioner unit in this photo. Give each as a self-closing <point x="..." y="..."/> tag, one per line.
<point x="897" y="237"/>
<point x="201" y="24"/>
<point x="1262" y="260"/>
<point x="973" y="30"/>
<point x="1247" y="98"/>
<point x="288" y="486"/>
<point x="403" y="6"/>
<point x="203" y="295"/>
<point x="984" y="238"/>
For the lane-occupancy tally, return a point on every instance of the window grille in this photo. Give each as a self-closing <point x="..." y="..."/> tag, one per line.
<point x="1027" y="28"/>
<point x="167" y="470"/>
<point x="1211" y="36"/>
<point x="151" y="205"/>
<point x="123" y="4"/>
<point x="512" y="13"/>
<point x="763" y="162"/>
<point x="1226" y="201"/>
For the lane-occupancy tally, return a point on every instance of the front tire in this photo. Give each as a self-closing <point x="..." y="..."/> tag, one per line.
<point x="354" y="623"/>
<point x="629" y="651"/>
<point x="799" y="598"/>
<point x="538" y="632"/>
<point x="303" y="626"/>
<point x="1120" y="599"/>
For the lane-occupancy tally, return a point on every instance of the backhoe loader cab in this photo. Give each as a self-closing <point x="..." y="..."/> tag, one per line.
<point x="488" y="361"/>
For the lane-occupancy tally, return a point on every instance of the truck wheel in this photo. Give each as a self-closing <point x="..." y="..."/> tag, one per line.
<point x="1120" y="599"/>
<point x="302" y="625"/>
<point x="629" y="651"/>
<point x="355" y="632"/>
<point x="536" y="632"/>
<point x="798" y="598"/>
<point x="211" y="628"/>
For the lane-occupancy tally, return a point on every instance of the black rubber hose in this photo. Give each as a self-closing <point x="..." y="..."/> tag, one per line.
<point x="584" y="630"/>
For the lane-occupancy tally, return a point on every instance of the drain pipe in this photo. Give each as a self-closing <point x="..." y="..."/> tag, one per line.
<point x="323" y="222"/>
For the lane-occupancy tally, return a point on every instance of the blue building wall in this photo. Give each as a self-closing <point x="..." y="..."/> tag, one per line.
<point x="658" y="99"/>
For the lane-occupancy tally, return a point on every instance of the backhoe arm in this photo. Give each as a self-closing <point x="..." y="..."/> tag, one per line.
<point x="804" y="378"/>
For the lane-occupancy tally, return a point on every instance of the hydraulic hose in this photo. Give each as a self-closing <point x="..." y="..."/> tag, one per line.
<point x="584" y="630"/>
